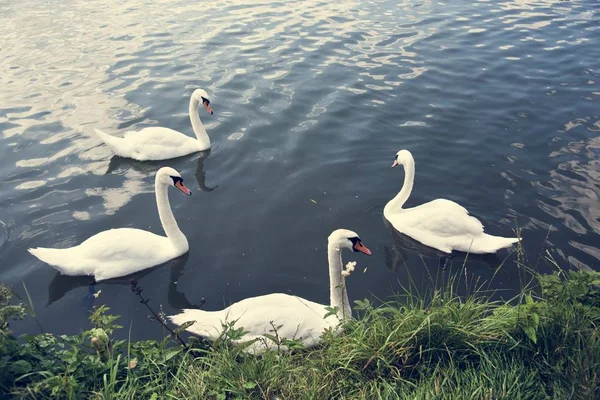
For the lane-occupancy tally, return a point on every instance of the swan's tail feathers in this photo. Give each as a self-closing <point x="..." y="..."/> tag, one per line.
<point x="491" y="244"/>
<point x="111" y="141"/>
<point x="59" y="259"/>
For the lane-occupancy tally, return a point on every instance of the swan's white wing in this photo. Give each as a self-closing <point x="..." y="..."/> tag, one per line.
<point x="442" y="218"/>
<point x="158" y="136"/>
<point x="120" y="252"/>
<point x="125" y="243"/>
<point x="110" y="254"/>
<point x="441" y="224"/>
<point x="294" y="318"/>
<point x="155" y="143"/>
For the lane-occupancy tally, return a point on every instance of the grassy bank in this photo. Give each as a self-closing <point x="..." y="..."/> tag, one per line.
<point x="542" y="344"/>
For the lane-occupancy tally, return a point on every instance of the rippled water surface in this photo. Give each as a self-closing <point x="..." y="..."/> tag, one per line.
<point x="497" y="100"/>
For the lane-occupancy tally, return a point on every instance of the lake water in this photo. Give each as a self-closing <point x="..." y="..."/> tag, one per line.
<point x="497" y="100"/>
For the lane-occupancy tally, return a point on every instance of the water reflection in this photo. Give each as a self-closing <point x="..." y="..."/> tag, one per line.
<point x="4" y="235"/>
<point x="572" y="192"/>
<point x="175" y="298"/>
<point x="148" y="168"/>
<point x="61" y="284"/>
<point x="200" y="175"/>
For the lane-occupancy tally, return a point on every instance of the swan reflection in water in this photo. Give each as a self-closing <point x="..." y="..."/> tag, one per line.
<point x="150" y="167"/>
<point x="414" y="257"/>
<point x="62" y="284"/>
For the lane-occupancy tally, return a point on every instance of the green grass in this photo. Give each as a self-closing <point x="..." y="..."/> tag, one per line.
<point x="543" y="344"/>
<point x="450" y="348"/>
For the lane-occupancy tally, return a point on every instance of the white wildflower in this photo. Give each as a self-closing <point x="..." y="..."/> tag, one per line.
<point x="349" y="268"/>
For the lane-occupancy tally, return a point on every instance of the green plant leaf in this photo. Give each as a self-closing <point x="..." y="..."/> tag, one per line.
<point x="172" y="352"/>
<point x="20" y="367"/>
<point x="529" y="300"/>
<point x="363" y="305"/>
<point x="249" y="385"/>
<point x="531" y="334"/>
<point x="330" y="311"/>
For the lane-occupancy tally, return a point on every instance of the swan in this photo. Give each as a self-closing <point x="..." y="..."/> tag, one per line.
<point x="119" y="252"/>
<point x="294" y="317"/>
<point x="441" y="224"/>
<point x="157" y="143"/>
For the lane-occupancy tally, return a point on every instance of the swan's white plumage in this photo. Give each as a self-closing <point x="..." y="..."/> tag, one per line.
<point x="153" y="143"/>
<point x="119" y="252"/>
<point x="441" y="224"/>
<point x="158" y="143"/>
<point x="110" y="254"/>
<point x="297" y="318"/>
<point x="294" y="317"/>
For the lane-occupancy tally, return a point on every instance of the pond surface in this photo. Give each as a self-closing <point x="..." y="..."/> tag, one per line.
<point x="497" y="100"/>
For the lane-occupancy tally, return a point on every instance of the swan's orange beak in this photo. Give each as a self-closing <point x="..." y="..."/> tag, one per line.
<point x="395" y="164"/>
<point x="179" y="185"/>
<point x="208" y="108"/>
<point x="361" y="247"/>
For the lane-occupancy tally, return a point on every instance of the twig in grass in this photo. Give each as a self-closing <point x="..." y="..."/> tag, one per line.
<point x="277" y="339"/>
<point x="137" y="290"/>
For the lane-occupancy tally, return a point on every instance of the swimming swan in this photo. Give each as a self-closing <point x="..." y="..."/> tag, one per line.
<point x="293" y="316"/>
<point x="156" y="143"/>
<point x="123" y="251"/>
<point x="441" y="224"/>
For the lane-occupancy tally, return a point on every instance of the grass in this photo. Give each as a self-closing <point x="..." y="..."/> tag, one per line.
<point x="542" y="344"/>
<point x="451" y="348"/>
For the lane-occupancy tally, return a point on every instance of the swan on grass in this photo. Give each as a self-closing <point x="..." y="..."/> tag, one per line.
<point x="293" y="316"/>
<point x="441" y="224"/>
<point x="157" y="143"/>
<point x="119" y="252"/>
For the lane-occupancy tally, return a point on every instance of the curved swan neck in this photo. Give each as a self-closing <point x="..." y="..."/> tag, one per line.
<point x="409" y="178"/>
<point x="199" y="130"/>
<point x="167" y="219"/>
<point x="337" y="283"/>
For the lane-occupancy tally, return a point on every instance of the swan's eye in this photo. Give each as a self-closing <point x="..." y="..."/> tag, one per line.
<point x="205" y="100"/>
<point x="358" y="246"/>
<point x="176" y="179"/>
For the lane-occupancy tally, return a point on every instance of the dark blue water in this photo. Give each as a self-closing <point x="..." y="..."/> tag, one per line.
<point x="497" y="100"/>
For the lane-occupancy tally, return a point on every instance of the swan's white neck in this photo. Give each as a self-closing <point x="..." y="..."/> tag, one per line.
<point x="177" y="238"/>
<point x="337" y="283"/>
<point x="409" y="177"/>
<point x="199" y="130"/>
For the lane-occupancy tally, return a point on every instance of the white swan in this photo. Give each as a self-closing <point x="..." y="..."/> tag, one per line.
<point x="294" y="317"/>
<point x="156" y="143"/>
<point x="123" y="251"/>
<point x="441" y="224"/>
